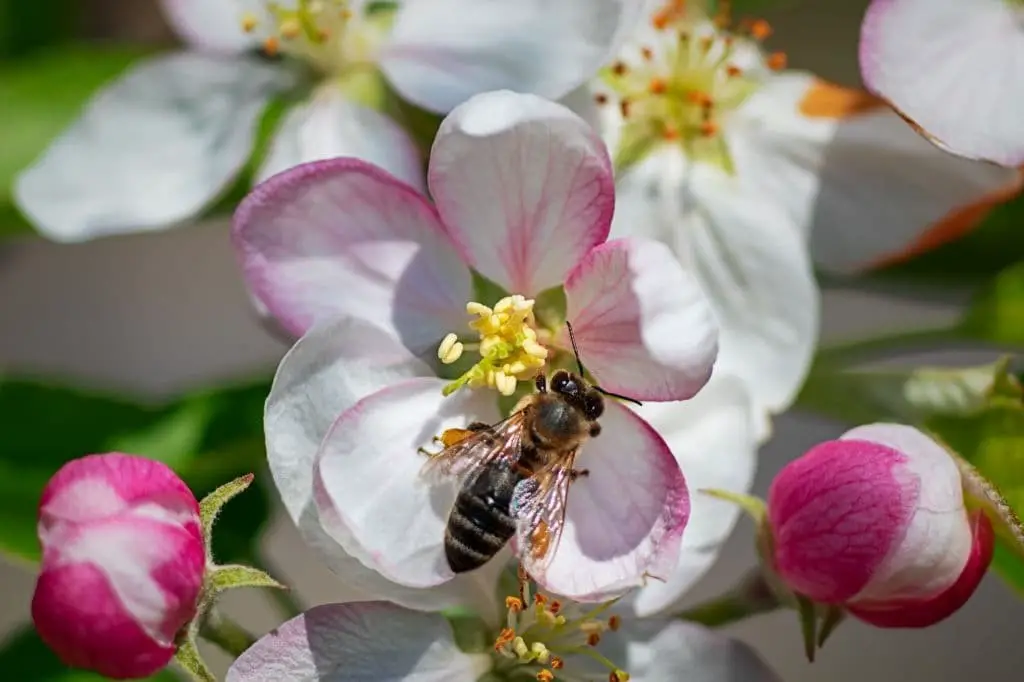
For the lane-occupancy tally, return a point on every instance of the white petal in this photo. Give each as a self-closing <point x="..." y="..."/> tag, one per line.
<point x="825" y="153"/>
<point x="330" y="368"/>
<point x="342" y="237"/>
<point x="442" y="52"/>
<point x="750" y="260"/>
<point x="211" y="24"/>
<point x="368" y="642"/>
<point x="642" y="324"/>
<point x="369" y="490"/>
<point x="153" y="148"/>
<point x="624" y="520"/>
<point x="670" y="651"/>
<point x="712" y="436"/>
<point x="330" y="125"/>
<point x="524" y="186"/>
<point x="953" y="67"/>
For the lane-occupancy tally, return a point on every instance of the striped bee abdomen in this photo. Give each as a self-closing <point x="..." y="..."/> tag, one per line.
<point x="480" y="523"/>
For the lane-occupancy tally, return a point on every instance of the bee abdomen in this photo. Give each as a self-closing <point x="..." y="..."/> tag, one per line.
<point x="480" y="523"/>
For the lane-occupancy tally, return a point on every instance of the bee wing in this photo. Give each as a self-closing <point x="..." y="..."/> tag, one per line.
<point x="538" y="505"/>
<point x="499" y="443"/>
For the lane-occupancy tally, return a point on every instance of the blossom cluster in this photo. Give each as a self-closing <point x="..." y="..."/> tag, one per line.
<point x="620" y="212"/>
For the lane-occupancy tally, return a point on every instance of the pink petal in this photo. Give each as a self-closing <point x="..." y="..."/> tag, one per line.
<point x="836" y="514"/>
<point x="927" y="612"/>
<point x="624" y="521"/>
<point x="524" y="186"/>
<point x="342" y="237"/>
<point x="364" y="641"/>
<point x="953" y="68"/>
<point x="642" y="323"/>
<point x="368" y="487"/>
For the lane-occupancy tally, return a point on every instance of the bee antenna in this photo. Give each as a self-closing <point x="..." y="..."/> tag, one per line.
<point x="575" y="350"/>
<point x="579" y="364"/>
<point x="617" y="395"/>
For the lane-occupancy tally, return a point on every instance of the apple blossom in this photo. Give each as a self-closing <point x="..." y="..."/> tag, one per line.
<point x="375" y="278"/>
<point x="387" y="643"/>
<point x="123" y="562"/>
<point x="876" y="522"/>
<point x="168" y="138"/>
<point x="952" y="69"/>
<point x="743" y="167"/>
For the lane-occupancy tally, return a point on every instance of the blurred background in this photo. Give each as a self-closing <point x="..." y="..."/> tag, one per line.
<point x="163" y="313"/>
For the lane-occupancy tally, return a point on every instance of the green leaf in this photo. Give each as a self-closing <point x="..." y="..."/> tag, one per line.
<point x="997" y="312"/>
<point x="906" y="395"/>
<point x="23" y="656"/>
<point x="41" y="95"/>
<point x="208" y="437"/>
<point x="991" y="443"/>
<point x="26" y="26"/>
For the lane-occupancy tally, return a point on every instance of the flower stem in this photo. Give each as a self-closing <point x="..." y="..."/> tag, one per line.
<point x="226" y="633"/>
<point x="849" y="351"/>
<point x="750" y="597"/>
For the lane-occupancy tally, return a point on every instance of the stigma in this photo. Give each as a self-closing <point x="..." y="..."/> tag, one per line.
<point x="680" y="85"/>
<point x="544" y="636"/>
<point x="507" y="345"/>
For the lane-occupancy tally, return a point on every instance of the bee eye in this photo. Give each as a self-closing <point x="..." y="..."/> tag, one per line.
<point x="593" y="405"/>
<point x="561" y="383"/>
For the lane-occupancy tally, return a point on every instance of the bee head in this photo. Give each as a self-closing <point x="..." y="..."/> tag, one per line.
<point x="582" y="396"/>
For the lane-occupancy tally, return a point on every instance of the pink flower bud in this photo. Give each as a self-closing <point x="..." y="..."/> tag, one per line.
<point x="876" y="521"/>
<point x="122" y="567"/>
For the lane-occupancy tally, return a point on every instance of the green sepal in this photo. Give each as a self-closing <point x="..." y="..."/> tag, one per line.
<point x="831" y="617"/>
<point x="808" y="614"/>
<point x="220" y="578"/>
<point x="211" y="505"/>
<point x="188" y="658"/>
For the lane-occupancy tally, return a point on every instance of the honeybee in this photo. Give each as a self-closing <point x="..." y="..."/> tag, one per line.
<point x="515" y="475"/>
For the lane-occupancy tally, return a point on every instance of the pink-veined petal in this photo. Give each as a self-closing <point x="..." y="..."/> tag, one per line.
<point x="524" y="186"/>
<point x="624" y="521"/>
<point x="441" y="52"/>
<point x="329" y="125"/>
<point x="369" y="491"/>
<point x="333" y="366"/>
<point x="654" y="650"/>
<point x="212" y="24"/>
<point x="712" y="436"/>
<point x="342" y="237"/>
<point x="642" y="324"/>
<point x="955" y="68"/>
<point x="155" y="147"/>
<point x="365" y="642"/>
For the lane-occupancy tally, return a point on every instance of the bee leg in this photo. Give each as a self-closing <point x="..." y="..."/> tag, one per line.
<point x="477" y="426"/>
<point x="578" y="473"/>
<point x="523" y="578"/>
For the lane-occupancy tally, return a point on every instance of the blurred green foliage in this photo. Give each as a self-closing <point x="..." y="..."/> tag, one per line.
<point x="207" y="437"/>
<point x="24" y="658"/>
<point x="997" y="312"/>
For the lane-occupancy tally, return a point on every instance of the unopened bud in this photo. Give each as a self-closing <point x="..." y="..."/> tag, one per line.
<point x="876" y="522"/>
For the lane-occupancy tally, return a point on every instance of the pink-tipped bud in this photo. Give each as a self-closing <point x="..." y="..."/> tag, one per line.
<point x="875" y="521"/>
<point x="122" y="567"/>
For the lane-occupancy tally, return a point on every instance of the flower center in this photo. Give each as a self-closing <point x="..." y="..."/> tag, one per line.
<point x="682" y="84"/>
<point x="327" y="34"/>
<point x="507" y="345"/>
<point x="544" y="635"/>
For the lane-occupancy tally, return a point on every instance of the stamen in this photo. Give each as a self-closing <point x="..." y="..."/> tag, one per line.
<point x="601" y="98"/>
<point x="513" y="604"/>
<point x="508" y="348"/>
<point x="777" y="61"/>
<point x="593" y="639"/>
<point x="614" y="622"/>
<point x="249" y="22"/>
<point x="760" y="29"/>
<point x="545" y="676"/>
<point x="271" y="46"/>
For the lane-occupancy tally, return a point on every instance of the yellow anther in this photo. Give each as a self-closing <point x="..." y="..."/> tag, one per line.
<point x="557" y="663"/>
<point x="513" y="604"/>
<point x="508" y="346"/>
<point x="619" y="676"/>
<point x="249" y="22"/>
<point x="450" y="349"/>
<point x="545" y="676"/>
<point x="519" y="646"/>
<point x="291" y="29"/>
<point x="541" y="653"/>
<point x="504" y="638"/>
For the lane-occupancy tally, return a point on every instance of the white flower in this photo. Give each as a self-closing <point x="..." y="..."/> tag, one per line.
<point x="167" y="139"/>
<point x="375" y="278"/>
<point x="742" y="169"/>
<point x="386" y="643"/>
<point x="953" y="68"/>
